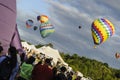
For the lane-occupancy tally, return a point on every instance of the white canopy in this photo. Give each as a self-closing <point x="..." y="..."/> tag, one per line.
<point x="53" y="53"/>
<point x="48" y="51"/>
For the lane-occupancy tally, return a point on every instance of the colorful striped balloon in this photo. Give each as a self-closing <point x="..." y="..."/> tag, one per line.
<point x="101" y="30"/>
<point x="46" y="29"/>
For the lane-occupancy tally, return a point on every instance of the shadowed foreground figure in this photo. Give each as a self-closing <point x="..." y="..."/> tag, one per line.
<point x="61" y="75"/>
<point x="42" y="71"/>
<point x="9" y="66"/>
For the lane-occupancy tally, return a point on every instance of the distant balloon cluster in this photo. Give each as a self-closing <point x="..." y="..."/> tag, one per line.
<point x="101" y="29"/>
<point x="46" y="28"/>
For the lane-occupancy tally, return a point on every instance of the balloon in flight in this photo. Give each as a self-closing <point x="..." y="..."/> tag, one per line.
<point x="35" y="28"/>
<point x="29" y="23"/>
<point x="101" y="29"/>
<point x="43" y="18"/>
<point x="46" y="28"/>
<point x="79" y="27"/>
<point x="117" y="55"/>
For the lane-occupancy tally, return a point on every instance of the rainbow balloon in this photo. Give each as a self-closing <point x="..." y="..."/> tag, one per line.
<point x="101" y="30"/>
<point x="46" y="29"/>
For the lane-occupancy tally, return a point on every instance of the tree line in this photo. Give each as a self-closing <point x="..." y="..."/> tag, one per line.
<point x="90" y="67"/>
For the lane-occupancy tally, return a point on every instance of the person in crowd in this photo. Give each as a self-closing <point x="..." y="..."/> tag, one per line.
<point x="61" y="75"/>
<point x="22" y="57"/>
<point x="1" y="54"/>
<point x="26" y="69"/>
<point x="42" y="57"/>
<point x="79" y="75"/>
<point x="69" y="75"/>
<point x="9" y="64"/>
<point x="58" y="65"/>
<point x="12" y="52"/>
<point x="54" y="70"/>
<point x="43" y="71"/>
<point x="52" y="62"/>
<point x="37" y="59"/>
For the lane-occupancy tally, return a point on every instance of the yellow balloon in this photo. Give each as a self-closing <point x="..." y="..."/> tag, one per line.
<point x="43" y="19"/>
<point x="101" y="30"/>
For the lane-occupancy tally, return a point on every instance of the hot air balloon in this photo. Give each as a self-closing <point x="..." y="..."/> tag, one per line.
<point x="8" y="28"/>
<point x="117" y="55"/>
<point x="29" y="23"/>
<point x="42" y="18"/>
<point x="38" y="18"/>
<point x="79" y="27"/>
<point x="46" y="29"/>
<point x="35" y="27"/>
<point x="101" y="30"/>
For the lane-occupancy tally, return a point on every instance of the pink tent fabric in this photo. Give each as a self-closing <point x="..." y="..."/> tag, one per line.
<point x="7" y="22"/>
<point x="15" y="41"/>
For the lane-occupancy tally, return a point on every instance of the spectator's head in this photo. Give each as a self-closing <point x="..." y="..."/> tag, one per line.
<point x="48" y="61"/>
<point x="22" y="56"/>
<point x="63" y="69"/>
<point x="12" y="51"/>
<point x="30" y="60"/>
<point x="54" y="70"/>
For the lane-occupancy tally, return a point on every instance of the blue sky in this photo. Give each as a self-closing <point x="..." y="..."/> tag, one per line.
<point x="66" y="16"/>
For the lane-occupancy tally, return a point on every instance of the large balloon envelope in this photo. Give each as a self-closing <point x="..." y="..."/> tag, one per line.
<point x="46" y="29"/>
<point x="42" y="18"/>
<point x="29" y="23"/>
<point x="8" y="29"/>
<point x="101" y="30"/>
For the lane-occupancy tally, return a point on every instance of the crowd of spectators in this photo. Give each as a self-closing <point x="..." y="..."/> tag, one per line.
<point x="31" y="66"/>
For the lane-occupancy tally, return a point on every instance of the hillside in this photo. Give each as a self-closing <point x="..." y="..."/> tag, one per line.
<point x="91" y="68"/>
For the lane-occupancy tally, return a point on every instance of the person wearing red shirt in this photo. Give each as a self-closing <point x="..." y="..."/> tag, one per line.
<point x="42" y="72"/>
